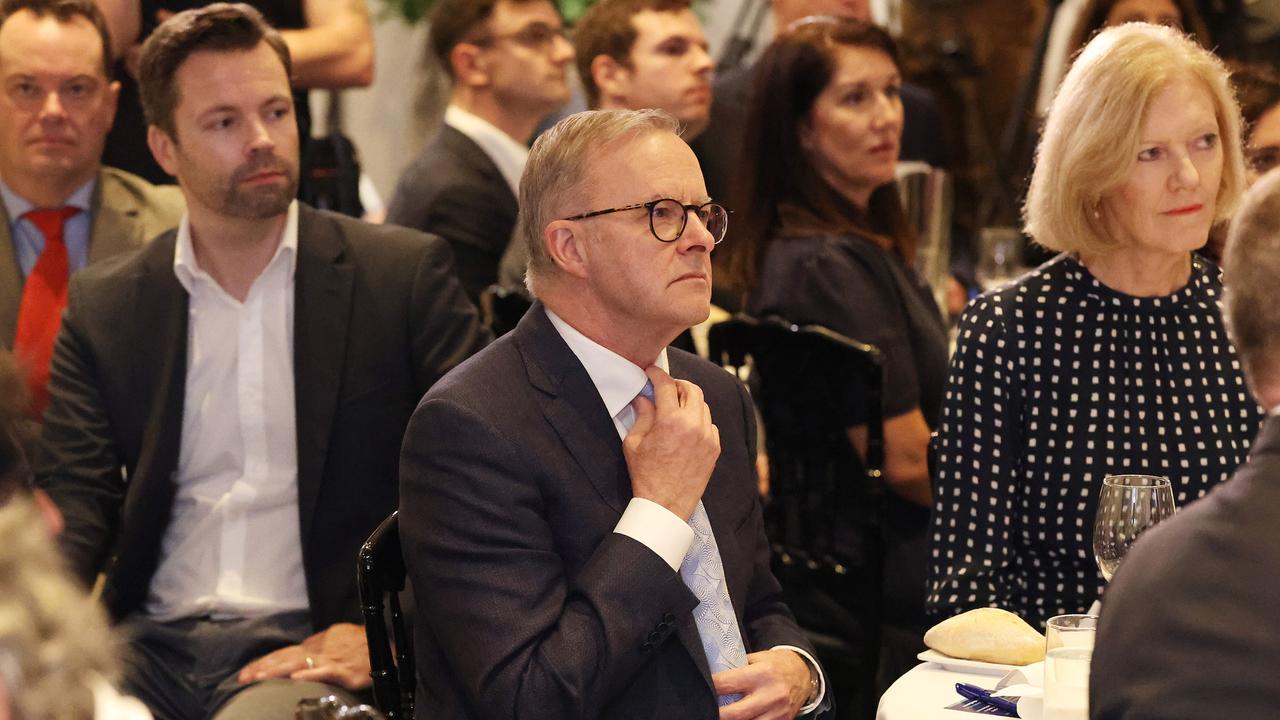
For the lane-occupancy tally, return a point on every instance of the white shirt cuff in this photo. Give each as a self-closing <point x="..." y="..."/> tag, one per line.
<point x="822" y="680"/>
<point x="658" y="529"/>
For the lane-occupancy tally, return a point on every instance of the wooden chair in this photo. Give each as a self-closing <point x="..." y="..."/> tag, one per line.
<point x="380" y="576"/>
<point x="825" y="508"/>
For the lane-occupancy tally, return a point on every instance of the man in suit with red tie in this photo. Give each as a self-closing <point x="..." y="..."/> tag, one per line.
<point x="59" y="208"/>
<point x="578" y="507"/>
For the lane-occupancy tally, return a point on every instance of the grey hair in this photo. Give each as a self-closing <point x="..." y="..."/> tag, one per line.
<point x="559" y="169"/>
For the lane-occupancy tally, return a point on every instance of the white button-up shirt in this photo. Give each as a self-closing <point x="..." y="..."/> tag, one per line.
<point x="233" y="546"/>
<point x="508" y="154"/>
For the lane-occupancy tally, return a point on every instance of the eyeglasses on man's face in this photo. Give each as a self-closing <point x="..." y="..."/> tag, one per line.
<point x="535" y="36"/>
<point x="668" y="217"/>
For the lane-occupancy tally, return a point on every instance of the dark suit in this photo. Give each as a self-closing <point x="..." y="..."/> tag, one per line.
<point x="512" y="480"/>
<point x="1190" y="624"/>
<point x="378" y="318"/>
<point x="454" y="190"/>
<point x="127" y="211"/>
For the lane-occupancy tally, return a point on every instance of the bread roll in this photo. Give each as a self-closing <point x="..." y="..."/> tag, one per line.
<point x="989" y="635"/>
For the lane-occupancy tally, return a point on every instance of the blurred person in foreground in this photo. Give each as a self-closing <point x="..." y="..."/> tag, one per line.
<point x="226" y="406"/>
<point x="1109" y="358"/>
<point x="580" y="498"/>
<point x="822" y="239"/>
<point x="1190" y="625"/>
<point x="508" y="61"/>
<point x="57" y="655"/>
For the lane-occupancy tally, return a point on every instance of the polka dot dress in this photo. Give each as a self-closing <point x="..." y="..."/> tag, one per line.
<point x="1056" y="382"/>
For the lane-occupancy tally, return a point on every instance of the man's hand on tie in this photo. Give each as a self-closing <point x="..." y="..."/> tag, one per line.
<point x="673" y="446"/>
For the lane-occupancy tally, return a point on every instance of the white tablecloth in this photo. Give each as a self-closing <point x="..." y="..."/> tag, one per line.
<point x="926" y="691"/>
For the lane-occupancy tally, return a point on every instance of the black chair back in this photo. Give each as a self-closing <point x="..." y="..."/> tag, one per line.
<point x="503" y="307"/>
<point x="380" y="576"/>
<point x="824" y="514"/>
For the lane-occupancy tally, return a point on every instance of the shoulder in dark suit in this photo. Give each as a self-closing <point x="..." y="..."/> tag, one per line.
<point x="1190" y="624"/>
<point x="512" y="480"/>
<point x="378" y="318"/>
<point x="454" y="190"/>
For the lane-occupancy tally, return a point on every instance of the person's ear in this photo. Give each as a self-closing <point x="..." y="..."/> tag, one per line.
<point x="164" y="149"/>
<point x="565" y="244"/>
<point x="470" y="67"/>
<point x="612" y="77"/>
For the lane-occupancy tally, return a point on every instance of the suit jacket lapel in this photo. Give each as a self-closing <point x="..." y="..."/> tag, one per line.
<point x="575" y="410"/>
<point x="10" y="283"/>
<point x="573" y="407"/>
<point x="115" y="226"/>
<point x="160" y="378"/>
<point x="322" y="308"/>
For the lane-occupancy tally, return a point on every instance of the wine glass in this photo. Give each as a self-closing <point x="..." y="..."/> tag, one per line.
<point x="1127" y="506"/>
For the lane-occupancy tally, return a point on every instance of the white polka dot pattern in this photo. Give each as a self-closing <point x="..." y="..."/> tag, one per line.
<point x="1057" y="381"/>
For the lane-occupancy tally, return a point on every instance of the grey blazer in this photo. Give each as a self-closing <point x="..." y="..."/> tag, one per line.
<point x="127" y="211"/>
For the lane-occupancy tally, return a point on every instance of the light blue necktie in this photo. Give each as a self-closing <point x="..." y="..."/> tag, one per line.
<point x="703" y="572"/>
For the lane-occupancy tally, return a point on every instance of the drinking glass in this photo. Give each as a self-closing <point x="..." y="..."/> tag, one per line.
<point x="1127" y="506"/>
<point x="1000" y="256"/>
<point x="1068" y="643"/>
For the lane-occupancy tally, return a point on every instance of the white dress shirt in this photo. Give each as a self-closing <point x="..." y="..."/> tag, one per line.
<point x="233" y="546"/>
<point x="505" y="151"/>
<point x="619" y="381"/>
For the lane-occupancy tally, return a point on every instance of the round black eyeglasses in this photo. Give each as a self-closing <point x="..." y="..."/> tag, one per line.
<point x="668" y="217"/>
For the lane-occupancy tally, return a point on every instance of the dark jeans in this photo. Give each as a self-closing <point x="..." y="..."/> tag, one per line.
<point x="186" y="669"/>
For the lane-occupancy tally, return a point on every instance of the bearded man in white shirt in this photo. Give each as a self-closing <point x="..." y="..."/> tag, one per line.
<point x="580" y="498"/>
<point x="227" y="405"/>
<point x="508" y="61"/>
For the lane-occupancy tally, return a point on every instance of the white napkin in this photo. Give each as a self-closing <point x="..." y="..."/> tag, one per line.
<point x="1027" y="684"/>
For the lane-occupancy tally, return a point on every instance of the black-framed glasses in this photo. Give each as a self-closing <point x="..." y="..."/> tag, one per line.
<point x="536" y="36"/>
<point x="668" y="217"/>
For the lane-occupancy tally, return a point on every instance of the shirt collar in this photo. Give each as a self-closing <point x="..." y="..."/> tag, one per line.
<point x="188" y="269"/>
<point x="16" y="206"/>
<point x="509" y="155"/>
<point x="617" y="379"/>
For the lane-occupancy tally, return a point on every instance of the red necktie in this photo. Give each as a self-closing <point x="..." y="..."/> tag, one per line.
<point x="43" y="297"/>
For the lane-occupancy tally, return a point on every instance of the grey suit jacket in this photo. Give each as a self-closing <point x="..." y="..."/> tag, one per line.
<point x="1190" y="624"/>
<point x="528" y="604"/>
<point x="378" y="318"/>
<point x="127" y="212"/>
<point x="455" y="191"/>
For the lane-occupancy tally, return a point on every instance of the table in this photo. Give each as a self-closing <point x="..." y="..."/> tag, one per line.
<point x="926" y="691"/>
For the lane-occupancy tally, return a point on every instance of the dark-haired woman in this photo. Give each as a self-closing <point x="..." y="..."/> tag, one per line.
<point x="824" y="240"/>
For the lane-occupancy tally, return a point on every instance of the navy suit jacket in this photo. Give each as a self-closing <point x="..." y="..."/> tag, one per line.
<point x="455" y="191"/>
<point x="528" y="604"/>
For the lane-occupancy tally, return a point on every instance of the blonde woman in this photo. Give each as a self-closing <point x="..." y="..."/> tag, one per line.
<point x="1112" y="356"/>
